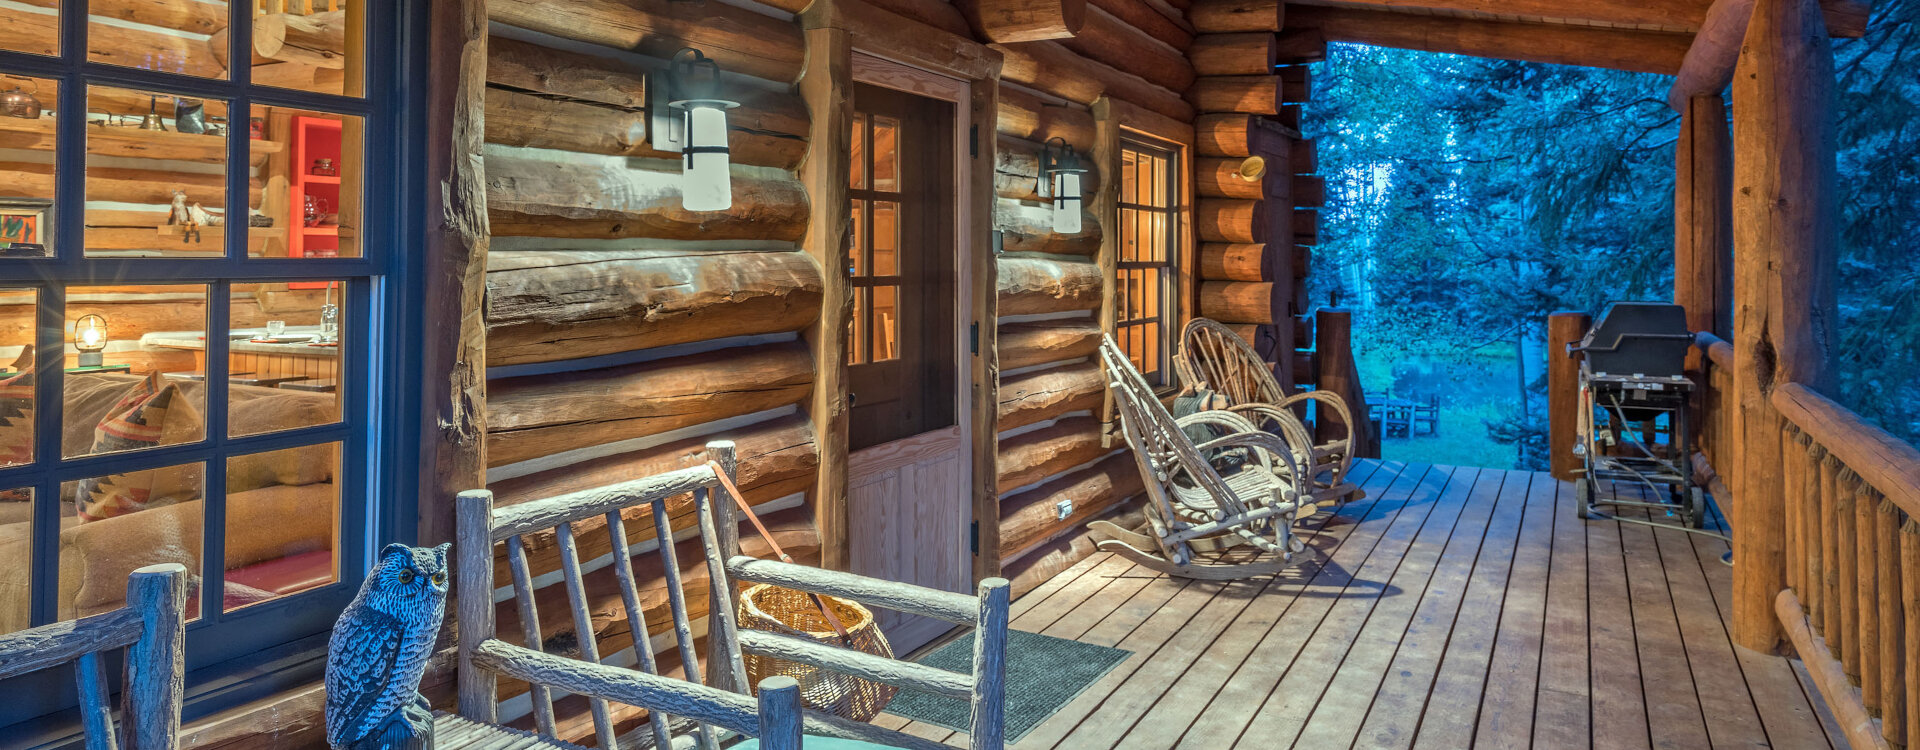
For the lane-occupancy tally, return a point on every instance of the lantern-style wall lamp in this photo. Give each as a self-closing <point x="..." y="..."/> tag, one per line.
<point x="90" y="337"/>
<point x="689" y="117"/>
<point x="1060" y="171"/>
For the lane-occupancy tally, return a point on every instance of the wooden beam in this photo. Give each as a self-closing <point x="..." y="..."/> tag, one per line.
<point x="1237" y="301"/>
<point x="1845" y="18"/>
<point x="1025" y="116"/>
<point x="1300" y="46"/>
<point x="1259" y="95"/>
<point x="1040" y="342"/>
<point x="1046" y="394"/>
<point x="757" y="136"/>
<point x="1244" y="54"/>
<point x="1230" y="16"/>
<point x="1222" y="261"/>
<point x="1785" y="203"/>
<point x="1028" y="228"/>
<point x="1032" y="456"/>
<point x="1703" y="219"/>
<point x="826" y="86"/>
<point x="1056" y="70"/>
<point x="983" y="369"/>
<point x="610" y="198"/>
<point x="1563" y="392"/>
<point x="1109" y="40"/>
<point x="740" y="40"/>
<point x="903" y="39"/>
<point x="1642" y="51"/>
<point x="1034" y="515"/>
<point x="1024" y="20"/>
<point x="1043" y="285"/>
<point x="1140" y="14"/>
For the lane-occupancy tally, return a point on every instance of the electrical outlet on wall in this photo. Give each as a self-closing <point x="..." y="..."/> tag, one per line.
<point x="1063" y="509"/>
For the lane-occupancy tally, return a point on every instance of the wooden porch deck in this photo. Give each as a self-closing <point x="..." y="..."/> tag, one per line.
<point x="1450" y="608"/>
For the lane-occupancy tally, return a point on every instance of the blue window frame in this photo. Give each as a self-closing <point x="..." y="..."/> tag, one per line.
<point x="233" y="653"/>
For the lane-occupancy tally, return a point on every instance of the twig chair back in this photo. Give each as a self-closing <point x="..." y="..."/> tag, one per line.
<point x="1213" y="355"/>
<point x="152" y="628"/>
<point x="720" y="705"/>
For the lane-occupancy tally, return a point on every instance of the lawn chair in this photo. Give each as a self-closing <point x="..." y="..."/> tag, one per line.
<point x="1215" y="358"/>
<point x="152" y="628"/>
<point x="1192" y="509"/>
<point x="722" y="705"/>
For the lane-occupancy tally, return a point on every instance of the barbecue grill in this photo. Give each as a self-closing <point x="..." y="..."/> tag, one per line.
<point x="1634" y="397"/>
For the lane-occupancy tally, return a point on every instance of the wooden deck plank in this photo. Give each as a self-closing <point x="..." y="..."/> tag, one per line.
<point x="1455" y="625"/>
<point x="1413" y="623"/>
<point x="1195" y="646"/>
<point x="1513" y="674"/>
<point x="1377" y="695"/>
<point x="1674" y="717"/>
<point x="1315" y="643"/>
<point x="1041" y="593"/>
<point x="1619" y="706"/>
<point x="1171" y="713"/>
<point x="1562" y="711"/>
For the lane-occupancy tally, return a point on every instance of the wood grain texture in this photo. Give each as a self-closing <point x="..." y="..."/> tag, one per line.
<point x="1040" y="342"/>
<point x="740" y="40"/>
<point x="1243" y="54"/>
<point x="1230" y="16"/>
<point x="1046" y="394"/>
<point x="156" y="670"/>
<point x="529" y="197"/>
<point x="756" y="137"/>
<point x="1855" y="722"/>
<point x="1563" y="391"/>
<point x="826" y="86"/>
<point x="1027" y="227"/>
<point x="1642" y="51"/>
<point x="1037" y="285"/>
<point x="1024" y="20"/>
<point x="1032" y="456"/>
<point x="1054" y="69"/>
<point x="1031" y="517"/>
<point x="1028" y="117"/>
<point x="547" y="305"/>
<point x="1111" y="41"/>
<point x="1227" y="261"/>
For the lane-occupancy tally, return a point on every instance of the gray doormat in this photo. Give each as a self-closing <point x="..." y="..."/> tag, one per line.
<point x="1043" y="674"/>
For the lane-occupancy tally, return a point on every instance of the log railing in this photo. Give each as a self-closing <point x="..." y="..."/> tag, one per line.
<point x="1852" y="548"/>
<point x="1714" y="418"/>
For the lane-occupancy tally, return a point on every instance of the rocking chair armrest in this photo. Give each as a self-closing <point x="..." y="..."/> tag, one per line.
<point x="1291" y="427"/>
<point x="1265" y="441"/>
<point x="1331" y="399"/>
<point x="1218" y="418"/>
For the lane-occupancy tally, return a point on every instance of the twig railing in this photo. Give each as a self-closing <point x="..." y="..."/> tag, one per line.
<point x="1851" y="544"/>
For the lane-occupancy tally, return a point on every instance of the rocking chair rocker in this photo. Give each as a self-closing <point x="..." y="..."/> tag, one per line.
<point x="1192" y="509"/>
<point x="1215" y="358"/>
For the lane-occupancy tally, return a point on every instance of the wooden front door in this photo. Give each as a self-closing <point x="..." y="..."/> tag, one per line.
<point x="909" y="467"/>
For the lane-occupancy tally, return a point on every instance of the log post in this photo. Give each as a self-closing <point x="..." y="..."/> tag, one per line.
<point x="1703" y="219"/>
<point x="1784" y="185"/>
<point x="984" y="367"/>
<point x="1333" y="372"/>
<point x="826" y="85"/>
<point x="1563" y="391"/>
<point x="1106" y="205"/>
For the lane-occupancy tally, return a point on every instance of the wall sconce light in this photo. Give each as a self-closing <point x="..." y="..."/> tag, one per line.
<point x="1060" y="171"/>
<point x="689" y="117"/>
<point x="90" y="337"/>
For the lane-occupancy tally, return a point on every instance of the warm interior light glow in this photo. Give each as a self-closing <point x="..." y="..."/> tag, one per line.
<point x="1066" y="203"/>
<point x="705" y="184"/>
<point x="93" y="337"/>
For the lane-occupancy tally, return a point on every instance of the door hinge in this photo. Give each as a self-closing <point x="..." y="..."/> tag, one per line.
<point x="975" y="334"/>
<point x="973" y="543"/>
<point x="973" y="141"/>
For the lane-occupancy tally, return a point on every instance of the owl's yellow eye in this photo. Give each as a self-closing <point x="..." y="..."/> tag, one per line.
<point x="406" y="575"/>
<point x="439" y="579"/>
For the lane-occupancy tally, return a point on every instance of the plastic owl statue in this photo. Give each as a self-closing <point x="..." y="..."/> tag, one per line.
<point x="379" y="651"/>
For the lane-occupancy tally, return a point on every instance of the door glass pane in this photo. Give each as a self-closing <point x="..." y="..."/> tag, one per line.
<point x="16" y="547"/>
<point x="886" y="238"/>
<point x="858" y="178"/>
<point x="136" y="358"/>
<point x="18" y="311"/>
<point x="156" y="174"/>
<point x="309" y="205"/>
<point x="283" y="517"/>
<point x="310" y="45"/>
<point x="117" y="523"/>
<point x="886" y="154"/>
<point x="886" y="323"/>
<point x="857" y="254"/>
<point x="283" y="362"/>
<point x="171" y="36"/>
<point x="857" y="336"/>
<point x="26" y="170"/>
<point x="32" y="27"/>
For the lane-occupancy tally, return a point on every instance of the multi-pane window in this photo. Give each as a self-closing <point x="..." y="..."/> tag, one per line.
<point x="189" y="284"/>
<point x="876" y="278"/>
<point x="1146" y="308"/>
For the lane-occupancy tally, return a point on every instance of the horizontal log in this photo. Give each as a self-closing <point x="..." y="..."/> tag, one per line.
<point x="1296" y="84"/>
<point x="1258" y="95"/>
<point x="1023" y="20"/>
<point x="1225" y="220"/>
<point x="1237" y="301"/>
<point x="1238" y="135"/>
<point x="1028" y="228"/>
<point x="1035" y="566"/>
<point x="191" y="17"/>
<point x="131" y="143"/>
<point x="775" y="457"/>
<point x="1246" y="54"/>
<point x="1016" y="171"/>
<point x="317" y="40"/>
<point x="540" y="415"/>
<point x="610" y="198"/>
<point x="1056" y="70"/>
<point x="742" y="41"/>
<point x="757" y="137"/>
<point x="1032" y="456"/>
<point x="1306" y="226"/>
<point x="1046" y="394"/>
<point x="936" y="13"/>
<point x="1227" y="261"/>
<point x="1134" y="117"/>
<point x="1229" y="16"/>
<point x="1040" y="342"/>
<point x="1306" y="156"/>
<point x="565" y="74"/>
<point x="1248" y="332"/>
<point x="1309" y="191"/>
<point x="1029" y="286"/>
<point x="1619" y="49"/>
<point x="1300" y="46"/>
<point x="1028" y="117"/>
<point x="1109" y="40"/>
<point x="547" y="305"/>
<point x="1033" y="515"/>
<point x="1244" y="178"/>
<point x="1884" y="462"/>
<point x="1302" y="261"/>
<point x="1302" y="331"/>
<point x="1845" y="18"/>
<point x="122" y="185"/>
<point x="904" y="39"/>
<point x="1168" y="28"/>
<point x="37" y="33"/>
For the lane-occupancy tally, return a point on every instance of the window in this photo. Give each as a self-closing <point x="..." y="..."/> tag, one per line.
<point x="1148" y="311"/>
<point x="190" y="293"/>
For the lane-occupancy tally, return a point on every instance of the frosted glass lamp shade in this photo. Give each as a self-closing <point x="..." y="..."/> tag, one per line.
<point x="1066" y="203"/>
<point x="705" y="184"/>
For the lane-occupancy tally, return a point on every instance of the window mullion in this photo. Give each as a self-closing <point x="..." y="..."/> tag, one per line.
<point x="49" y="359"/>
<point x="213" y="492"/>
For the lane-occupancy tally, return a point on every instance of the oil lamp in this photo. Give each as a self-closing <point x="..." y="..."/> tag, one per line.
<point x="90" y="337"/>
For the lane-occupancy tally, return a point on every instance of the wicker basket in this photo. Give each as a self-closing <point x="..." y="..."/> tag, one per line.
<point x="789" y="612"/>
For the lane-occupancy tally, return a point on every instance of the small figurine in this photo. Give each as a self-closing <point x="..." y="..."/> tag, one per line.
<point x="379" y="651"/>
<point x="182" y="216"/>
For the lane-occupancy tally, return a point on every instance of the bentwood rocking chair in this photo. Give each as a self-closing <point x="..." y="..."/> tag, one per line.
<point x="1195" y="509"/>
<point x="1215" y="358"/>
